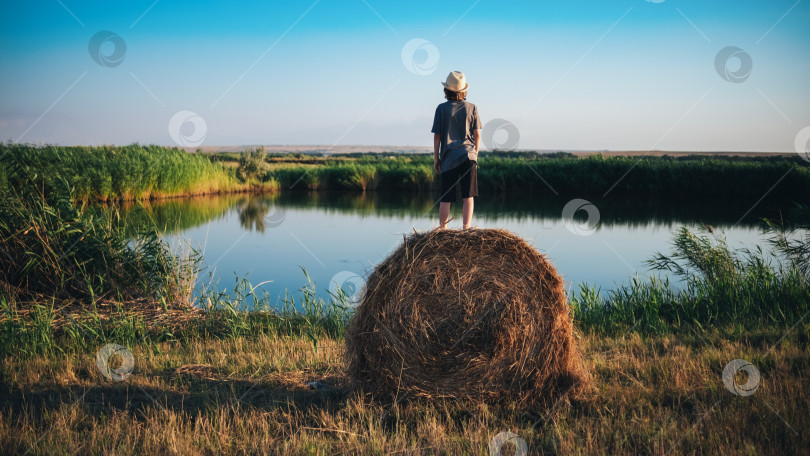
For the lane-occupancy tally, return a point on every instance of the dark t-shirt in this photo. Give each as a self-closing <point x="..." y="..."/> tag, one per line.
<point x="455" y="122"/>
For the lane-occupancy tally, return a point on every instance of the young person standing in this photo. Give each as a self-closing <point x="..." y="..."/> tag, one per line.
<point x="456" y="139"/>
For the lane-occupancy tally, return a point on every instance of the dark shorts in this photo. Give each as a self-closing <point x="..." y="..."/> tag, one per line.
<point x="465" y="176"/>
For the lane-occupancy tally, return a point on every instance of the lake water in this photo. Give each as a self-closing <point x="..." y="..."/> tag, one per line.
<point x="340" y="237"/>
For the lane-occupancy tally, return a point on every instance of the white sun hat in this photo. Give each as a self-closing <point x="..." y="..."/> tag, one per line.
<point x="456" y="82"/>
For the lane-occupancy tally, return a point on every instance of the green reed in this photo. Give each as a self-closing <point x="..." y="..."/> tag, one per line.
<point x="141" y="172"/>
<point x="52" y="248"/>
<point x="114" y="172"/>
<point x="552" y="174"/>
<point x="745" y="288"/>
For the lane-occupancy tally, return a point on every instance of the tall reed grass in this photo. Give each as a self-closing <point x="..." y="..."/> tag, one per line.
<point x="68" y="268"/>
<point x="54" y="249"/>
<point x="743" y="288"/>
<point x="142" y="172"/>
<point x="552" y="174"/>
<point x="362" y="176"/>
<point x="133" y="172"/>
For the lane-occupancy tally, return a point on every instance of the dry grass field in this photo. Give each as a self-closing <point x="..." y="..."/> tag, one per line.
<point x="656" y="395"/>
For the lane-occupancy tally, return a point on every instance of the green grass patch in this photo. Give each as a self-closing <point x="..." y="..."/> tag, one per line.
<point x="133" y="172"/>
<point x="744" y="288"/>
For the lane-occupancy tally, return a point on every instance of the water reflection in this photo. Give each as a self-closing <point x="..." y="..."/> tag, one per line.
<point x="179" y="214"/>
<point x="252" y="211"/>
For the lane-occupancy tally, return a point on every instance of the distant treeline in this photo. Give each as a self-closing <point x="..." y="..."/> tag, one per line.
<point x="143" y="172"/>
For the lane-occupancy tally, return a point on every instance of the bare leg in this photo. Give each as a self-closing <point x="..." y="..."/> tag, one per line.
<point x="467" y="211"/>
<point x="444" y="214"/>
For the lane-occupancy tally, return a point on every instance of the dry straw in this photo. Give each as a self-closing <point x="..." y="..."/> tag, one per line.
<point x="474" y="314"/>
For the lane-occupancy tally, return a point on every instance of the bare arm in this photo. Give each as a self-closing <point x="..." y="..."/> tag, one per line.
<point x="477" y="139"/>
<point x="436" y="145"/>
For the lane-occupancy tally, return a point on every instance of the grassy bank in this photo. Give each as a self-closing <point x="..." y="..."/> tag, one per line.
<point x="54" y="251"/>
<point x="553" y="174"/>
<point x="142" y="172"/>
<point x="125" y="173"/>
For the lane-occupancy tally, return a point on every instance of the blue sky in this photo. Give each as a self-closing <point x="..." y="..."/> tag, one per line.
<point x="620" y="74"/>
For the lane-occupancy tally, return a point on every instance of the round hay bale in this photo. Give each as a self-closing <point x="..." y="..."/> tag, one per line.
<point x="475" y="314"/>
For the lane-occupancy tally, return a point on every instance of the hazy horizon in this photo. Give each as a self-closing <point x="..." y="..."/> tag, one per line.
<point x="380" y="148"/>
